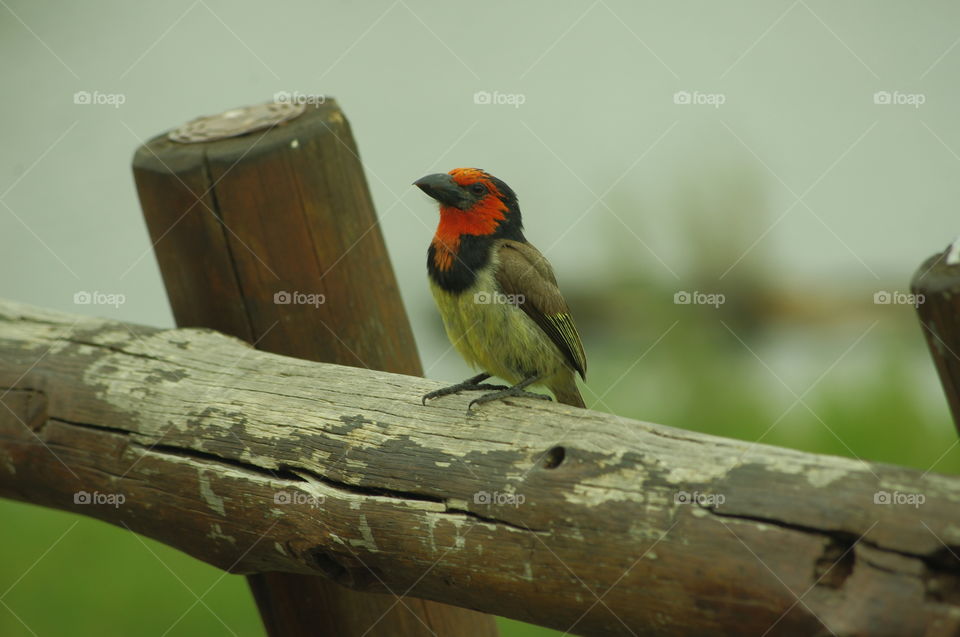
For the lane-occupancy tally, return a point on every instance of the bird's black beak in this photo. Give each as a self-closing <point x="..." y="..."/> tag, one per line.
<point x="441" y="187"/>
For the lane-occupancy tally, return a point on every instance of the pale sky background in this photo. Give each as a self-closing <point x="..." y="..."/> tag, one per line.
<point x="876" y="182"/>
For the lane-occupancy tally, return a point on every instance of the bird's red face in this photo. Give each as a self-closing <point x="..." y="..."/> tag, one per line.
<point x="472" y="202"/>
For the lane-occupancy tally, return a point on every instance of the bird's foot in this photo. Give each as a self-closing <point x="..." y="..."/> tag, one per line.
<point x="517" y="391"/>
<point x="471" y="384"/>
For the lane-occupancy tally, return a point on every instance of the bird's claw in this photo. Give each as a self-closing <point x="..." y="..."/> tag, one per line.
<point x="459" y="387"/>
<point x="508" y="392"/>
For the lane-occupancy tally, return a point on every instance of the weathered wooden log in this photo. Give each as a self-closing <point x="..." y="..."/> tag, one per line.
<point x="270" y="235"/>
<point x="936" y="290"/>
<point x="563" y="517"/>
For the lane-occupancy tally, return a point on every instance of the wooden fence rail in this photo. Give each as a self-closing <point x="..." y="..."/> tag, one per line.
<point x="568" y="518"/>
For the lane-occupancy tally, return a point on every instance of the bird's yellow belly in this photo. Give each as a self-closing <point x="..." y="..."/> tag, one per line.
<point x="494" y="335"/>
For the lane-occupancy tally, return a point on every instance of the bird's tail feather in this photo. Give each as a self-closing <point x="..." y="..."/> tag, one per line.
<point x="568" y="394"/>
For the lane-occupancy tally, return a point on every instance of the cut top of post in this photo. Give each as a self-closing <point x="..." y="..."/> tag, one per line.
<point x="236" y="122"/>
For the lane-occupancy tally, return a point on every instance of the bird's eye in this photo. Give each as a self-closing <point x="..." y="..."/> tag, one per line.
<point x="478" y="189"/>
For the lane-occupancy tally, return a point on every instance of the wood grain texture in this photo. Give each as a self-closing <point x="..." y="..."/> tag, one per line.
<point x="285" y="214"/>
<point x="255" y="462"/>
<point x="938" y="282"/>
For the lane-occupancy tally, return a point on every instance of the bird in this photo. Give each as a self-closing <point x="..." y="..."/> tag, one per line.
<point x="497" y="294"/>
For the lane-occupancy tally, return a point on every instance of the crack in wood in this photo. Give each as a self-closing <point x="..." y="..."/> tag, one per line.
<point x="295" y="474"/>
<point x="940" y="574"/>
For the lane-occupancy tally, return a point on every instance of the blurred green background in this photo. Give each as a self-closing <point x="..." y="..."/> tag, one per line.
<point x="797" y="158"/>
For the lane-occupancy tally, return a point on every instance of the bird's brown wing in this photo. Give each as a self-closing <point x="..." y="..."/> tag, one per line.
<point x="526" y="274"/>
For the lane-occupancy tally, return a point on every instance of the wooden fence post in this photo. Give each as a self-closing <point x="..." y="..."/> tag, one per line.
<point x="264" y="228"/>
<point x="936" y="286"/>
